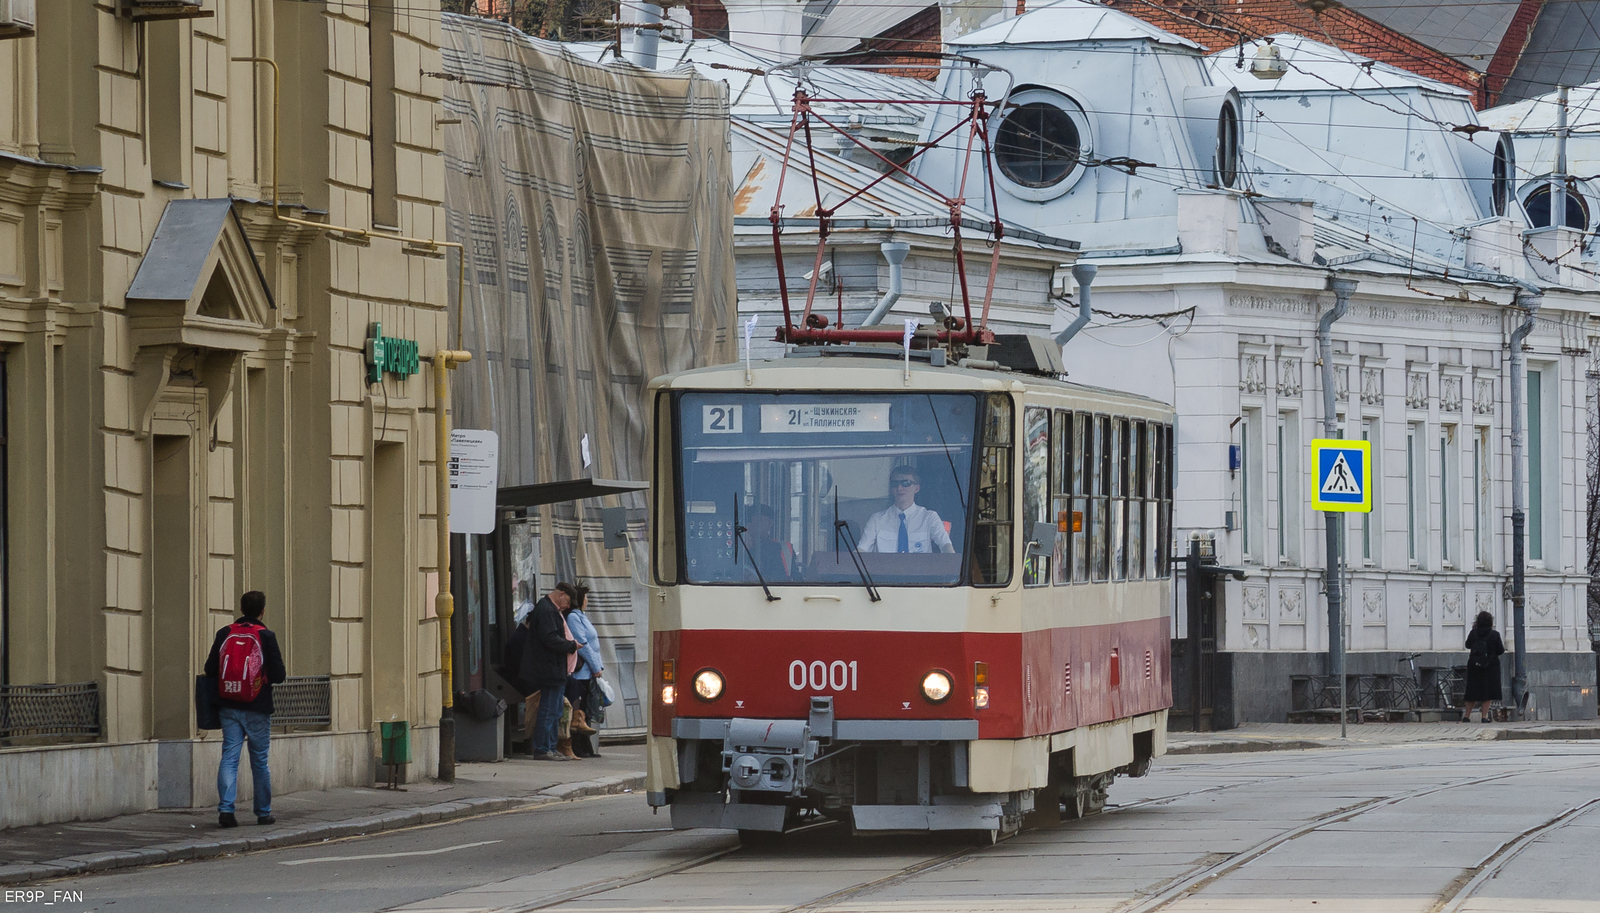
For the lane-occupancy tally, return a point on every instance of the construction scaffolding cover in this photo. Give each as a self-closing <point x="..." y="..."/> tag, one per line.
<point x="596" y="209"/>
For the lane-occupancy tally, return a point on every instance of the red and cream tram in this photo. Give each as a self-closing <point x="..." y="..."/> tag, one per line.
<point x="905" y="595"/>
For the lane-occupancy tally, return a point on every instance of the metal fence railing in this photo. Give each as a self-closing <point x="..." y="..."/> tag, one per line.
<point x="303" y="701"/>
<point x="49" y="712"/>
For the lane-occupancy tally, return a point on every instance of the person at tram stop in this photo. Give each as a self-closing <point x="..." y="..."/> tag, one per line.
<point x="906" y="526"/>
<point x="590" y="665"/>
<point x="775" y="557"/>
<point x="543" y="670"/>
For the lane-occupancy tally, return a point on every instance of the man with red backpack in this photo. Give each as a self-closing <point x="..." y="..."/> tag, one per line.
<point x="245" y="663"/>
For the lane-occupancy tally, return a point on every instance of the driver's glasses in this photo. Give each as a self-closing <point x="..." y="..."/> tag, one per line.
<point x="901" y="483"/>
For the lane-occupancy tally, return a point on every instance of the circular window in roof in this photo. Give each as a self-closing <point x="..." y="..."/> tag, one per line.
<point x="1037" y="145"/>
<point x="1228" y="145"/>
<point x="1040" y="144"/>
<point x="1537" y="205"/>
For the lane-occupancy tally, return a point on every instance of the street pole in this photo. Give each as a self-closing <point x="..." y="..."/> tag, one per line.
<point x="1342" y="290"/>
<point x="1519" y="514"/>
<point x="1192" y="578"/>
<point x="444" y="361"/>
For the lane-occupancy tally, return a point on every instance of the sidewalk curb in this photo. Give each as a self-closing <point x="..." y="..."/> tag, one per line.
<point x="300" y="835"/>
<point x="1225" y="744"/>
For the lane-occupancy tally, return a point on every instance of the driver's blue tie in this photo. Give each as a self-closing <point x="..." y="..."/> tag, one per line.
<point x="905" y="538"/>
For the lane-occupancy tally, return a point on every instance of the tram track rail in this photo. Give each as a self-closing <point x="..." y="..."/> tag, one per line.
<point x="1173" y="891"/>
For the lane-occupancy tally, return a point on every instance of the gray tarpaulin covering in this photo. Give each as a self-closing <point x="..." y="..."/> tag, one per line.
<point x="596" y="209"/>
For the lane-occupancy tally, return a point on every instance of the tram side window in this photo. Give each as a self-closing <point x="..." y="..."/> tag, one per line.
<point x="1164" y="454"/>
<point x="1082" y="513"/>
<point x="1138" y="497"/>
<point x="1036" y="492"/>
<point x="665" y="560"/>
<point x="1100" y="509"/>
<point x="1062" y="456"/>
<point x="991" y="545"/>
<point x="1119" y="499"/>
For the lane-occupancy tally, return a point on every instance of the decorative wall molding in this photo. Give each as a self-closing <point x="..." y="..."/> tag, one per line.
<point x="1484" y="601"/>
<point x="1419" y="613"/>
<point x="1253" y="373"/>
<point x="1373" y="607"/>
<point x="1450" y="393"/>
<point x="1289" y="377"/>
<point x="1544" y="609"/>
<point x="1291" y="606"/>
<point x="1341" y="382"/>
<point x="1483" y="395"/>
<point x="1416" y="390"/>
<point x="1371" y="386"/>
<point x="1255" y="603"/>
<point x="1451" y="601"/>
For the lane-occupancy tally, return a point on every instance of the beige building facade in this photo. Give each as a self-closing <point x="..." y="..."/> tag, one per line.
<point x="187" y="412"/>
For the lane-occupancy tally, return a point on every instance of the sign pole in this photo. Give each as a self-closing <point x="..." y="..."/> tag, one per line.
<point x="1341" y="482"/>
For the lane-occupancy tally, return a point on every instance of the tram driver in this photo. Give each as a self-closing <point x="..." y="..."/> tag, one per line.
<point x="906" y="526"/>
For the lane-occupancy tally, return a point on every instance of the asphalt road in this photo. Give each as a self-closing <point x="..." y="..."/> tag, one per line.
<point x="1496" y="826"/>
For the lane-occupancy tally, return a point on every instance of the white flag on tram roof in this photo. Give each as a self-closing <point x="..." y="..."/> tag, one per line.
<point x="749" y="330"/>
<point x="911" y="328"/>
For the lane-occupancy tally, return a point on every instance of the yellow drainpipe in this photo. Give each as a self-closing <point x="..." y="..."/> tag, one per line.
<point x="444" y="360"/>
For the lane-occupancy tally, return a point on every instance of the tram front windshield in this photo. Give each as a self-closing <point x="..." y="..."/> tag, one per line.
<point x="821" y="479"/>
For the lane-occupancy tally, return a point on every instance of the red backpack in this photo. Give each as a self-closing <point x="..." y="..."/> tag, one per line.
<point x="239" y="664"/>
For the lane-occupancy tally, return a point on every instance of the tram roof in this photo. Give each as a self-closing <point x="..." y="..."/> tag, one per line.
<point x="877" y="370"/>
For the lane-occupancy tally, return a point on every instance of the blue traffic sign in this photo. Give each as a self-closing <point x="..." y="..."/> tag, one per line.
<point x="1341" y="478"/>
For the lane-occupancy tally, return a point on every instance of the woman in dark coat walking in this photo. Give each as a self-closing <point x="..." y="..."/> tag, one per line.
<point x="1484" y="649"/>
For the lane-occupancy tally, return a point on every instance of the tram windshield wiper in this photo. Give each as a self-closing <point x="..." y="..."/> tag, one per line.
<point x="842" y="527"/>
<point x="738" y="532"/>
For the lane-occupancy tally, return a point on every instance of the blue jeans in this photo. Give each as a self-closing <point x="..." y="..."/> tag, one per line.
<point x="237" y="726"/>
<point x="548" y="720"/>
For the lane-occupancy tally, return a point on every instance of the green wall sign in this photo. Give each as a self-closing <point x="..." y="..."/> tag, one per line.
<point x="386" y="353"/>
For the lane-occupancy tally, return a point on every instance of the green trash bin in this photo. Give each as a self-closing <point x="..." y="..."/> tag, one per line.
<point x="396" y="742"/>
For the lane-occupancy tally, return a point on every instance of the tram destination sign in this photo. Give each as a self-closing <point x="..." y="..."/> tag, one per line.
<point x="784" y="418"/>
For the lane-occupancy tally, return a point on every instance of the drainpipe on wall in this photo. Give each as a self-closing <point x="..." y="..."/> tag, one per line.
<point x="1084" y="273"/>
<point x="1342" y="290"/>
<point x="1519" y="512"/>
<point x="895" y="252"/>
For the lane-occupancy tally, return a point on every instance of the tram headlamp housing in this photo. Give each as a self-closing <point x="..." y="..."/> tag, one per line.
<point x="936" y="686"/>
<point x="708" y="684"/>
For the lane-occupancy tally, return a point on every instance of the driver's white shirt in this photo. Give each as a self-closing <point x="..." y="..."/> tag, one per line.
<point x="925" y="532"/>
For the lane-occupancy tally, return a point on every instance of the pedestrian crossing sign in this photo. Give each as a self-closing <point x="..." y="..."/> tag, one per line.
<point x="1342" y="480"/>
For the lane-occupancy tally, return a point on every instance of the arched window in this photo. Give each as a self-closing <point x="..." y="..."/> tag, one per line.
<point x="1037" y="145"/>
<point x="1537" y="205"/>
<point x="1228" y="145"/>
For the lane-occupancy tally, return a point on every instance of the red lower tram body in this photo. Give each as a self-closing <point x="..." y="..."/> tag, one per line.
<point x="838" y="722"/>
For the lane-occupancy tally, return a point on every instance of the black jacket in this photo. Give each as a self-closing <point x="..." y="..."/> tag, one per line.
<point x="544" y="656"/>
<point x="272" y="665"/>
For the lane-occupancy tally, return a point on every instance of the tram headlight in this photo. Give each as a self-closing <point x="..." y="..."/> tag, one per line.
<point x="708" y="684"/>
<point x="936" y="686"/>
<point x="669" y="694"/>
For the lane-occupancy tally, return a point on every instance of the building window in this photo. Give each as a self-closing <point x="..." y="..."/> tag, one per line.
<point x="1535" y="465"/>
<point x="1228" y="145"/>
<point x="1366" y="517"/>
<point x="1481" y="500"/>
<point x="1505" y="166"/>
<point x="1035" y="491"/>
<point x="1288" y="489"/>
<point x="1037" y="145"/>
<point x="1537" y="205"/>
<point x="385" y="167"/>
<point x="1252" y="486"/>
<point x="1449" y="503"/>
<point x="1416" y="476"/>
